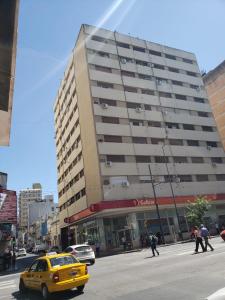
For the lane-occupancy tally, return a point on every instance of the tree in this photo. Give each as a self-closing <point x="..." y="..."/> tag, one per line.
<point x="196" y="210"/>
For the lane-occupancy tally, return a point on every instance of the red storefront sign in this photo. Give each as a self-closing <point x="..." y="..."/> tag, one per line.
<point x="8" y="206"/>
<point x="113" y="204"/>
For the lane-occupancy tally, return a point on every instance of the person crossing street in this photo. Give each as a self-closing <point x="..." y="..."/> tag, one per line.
<point x="206" y="236"/>
<point x="153" y="240"/>
<point x="198" y="239"/>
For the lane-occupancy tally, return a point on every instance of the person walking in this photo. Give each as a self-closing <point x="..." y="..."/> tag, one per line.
<point x="206" y="236"/>
<point x="198" y="240"/>
<point x="217" y="228"/>
<point x="153" y="240"/>
<point x="124" y="243"/>
<point x="142" y="241"/>
<point x="97" y="249"/>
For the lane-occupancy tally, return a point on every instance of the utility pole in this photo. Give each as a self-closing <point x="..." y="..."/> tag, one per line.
<point x="173" y="196"/>
<point x="156" y="205"/>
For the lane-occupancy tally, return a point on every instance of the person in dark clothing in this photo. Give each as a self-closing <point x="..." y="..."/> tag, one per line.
<point x="198" y="239"/>
<point x="158" y="235"/>
<point x="142" y="240"/>
<point x="153" y="242"/>
<point x="205" y="235"/>
<point x="14" y="261"/>
<point x="7" y="259"/>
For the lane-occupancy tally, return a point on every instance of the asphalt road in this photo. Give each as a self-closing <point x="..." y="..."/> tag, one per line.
<point x="175" y="274"/>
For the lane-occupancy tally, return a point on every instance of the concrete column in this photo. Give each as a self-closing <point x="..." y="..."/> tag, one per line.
<point x="101" y="231"/>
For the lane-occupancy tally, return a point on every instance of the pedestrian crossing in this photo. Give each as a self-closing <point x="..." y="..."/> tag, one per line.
<point x="7" y="284"/>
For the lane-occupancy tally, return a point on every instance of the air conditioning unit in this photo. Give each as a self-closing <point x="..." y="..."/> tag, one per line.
<point x="152" y="65"/>
<point x="209" y="148"/>
<point x="125" y="184"/>
<point x="138" y="109"/>
<point x="159" y="82"/>
<point x="123" y="60"/>
<point x="105" y="105"/>
<point x="108" y="164"/>
<point x="214" y="165"/>
<point x="198" y="88"/>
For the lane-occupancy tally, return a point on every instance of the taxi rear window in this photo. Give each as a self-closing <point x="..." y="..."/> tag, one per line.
<point x="62" y="261"/>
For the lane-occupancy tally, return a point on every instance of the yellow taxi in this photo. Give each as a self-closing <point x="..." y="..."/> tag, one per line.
<point x="54" y="273"/>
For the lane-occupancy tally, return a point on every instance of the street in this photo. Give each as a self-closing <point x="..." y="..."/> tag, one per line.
<point x="175" y="274"/>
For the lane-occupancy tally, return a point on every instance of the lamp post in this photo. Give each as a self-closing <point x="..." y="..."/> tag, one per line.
<point x="156" y="205"/>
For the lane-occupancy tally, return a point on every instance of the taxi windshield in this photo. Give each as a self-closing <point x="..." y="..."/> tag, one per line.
<point x="62" y="260"/>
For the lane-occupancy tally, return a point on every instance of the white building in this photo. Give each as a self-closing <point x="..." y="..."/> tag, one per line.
<point x="127" y="107"/>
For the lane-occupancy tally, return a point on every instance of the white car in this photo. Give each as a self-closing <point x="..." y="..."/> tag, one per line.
<point x="21" y="252"/>
<point x="84" y="253"/>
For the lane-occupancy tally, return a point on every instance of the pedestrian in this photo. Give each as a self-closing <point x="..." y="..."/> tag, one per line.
<point x="217" y="228"/>
<point x="158" y="235"/>
<point x="14" y="261"/>
<point x="206" y="236"/>
<point x="124" y="243"/>
<point x="142" y="240"/>
<point x="97" y="249"/>
<point x="198" y="240"/>
<point x="153" y="240"/>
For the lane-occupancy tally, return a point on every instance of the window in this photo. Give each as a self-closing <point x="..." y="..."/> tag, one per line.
<point x="180" y="97"/>
<point x="156" y="53"/>
<point x="211" y="144"/>
<point x="113" y="138"/>
<point x="217" y="160"/>
<point x="147" y="107"/>
<point x="174" y="70"/>
<point x="172" y="125"/>
<point x="137" y="122"/>
<point x="147" y="92"/>
<point x="164" y="94"/>
<point x="203" y="114"/>
<point x="135" y="48"/>
<point x="186" y="60"/>
<point x="126" y="73"/>
<point x="156" y="141"/>
<point x="145" y="77"/>
<point x="108" y="101"/>
<point x="191" y="74"/>
<point x="142" y="63"/>
<point x="63" y="260"/>
<point x="105" y="85"/>
<point x="180" y="159"/>
<point x="123" y="45"/>
<point x="154" y="124"/>
<point x="139" y="140"/>
<point x="220" y="177"/>
<point x="42" y="266"/>
<point x="175" y="142"/>
<point x="197" y="160"/>
<point x="188" y="127"/>
<point x="124" y="60"/>
<point x="133" y="105"/>
<point x="175" y="82"/>
<point x="207" y="128"/>
<point x="111" y="120"/>
<point x="130" y="89"/>
<point x="106" y="182"/>
<point x="170" y="56"/>
<point x="193" y="86"/>
<point x="202" y="178"/>
<point x="33" y="266"/>
<point x="142" y="159"/>
<point x="98" y="39"/>
<point x="102" y="54"/>
<point x="199" y="100"/>
<point x="83" y="192"/>
<point x="115" y="158"/>
<point x="160" y="67"/>
<point x="103" y="69"/>
<point x="161" y="159"/>
<point x="192" y="143"/>
<point x="185" y="178"/>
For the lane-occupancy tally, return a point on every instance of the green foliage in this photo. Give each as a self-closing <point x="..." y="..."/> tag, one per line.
<point x="197" y="210"/>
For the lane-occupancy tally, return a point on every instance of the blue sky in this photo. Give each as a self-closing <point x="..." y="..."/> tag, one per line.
<point x="46" y="35"/>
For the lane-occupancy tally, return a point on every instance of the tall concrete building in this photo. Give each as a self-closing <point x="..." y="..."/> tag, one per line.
<point x="127" y="109"/>
<point x="26" y="197"/>
<point x="215" y="86"/>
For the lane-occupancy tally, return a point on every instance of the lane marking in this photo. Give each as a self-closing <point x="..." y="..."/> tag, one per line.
<point x="6" y="282"/>
<point x="218" y="295"/>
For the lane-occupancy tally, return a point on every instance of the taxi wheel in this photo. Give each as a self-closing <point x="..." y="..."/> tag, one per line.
<point x="92" y="262"/>
<point x="22" y="287"/>
<point x="45" y="292"/>
<point x="80" y="288"/>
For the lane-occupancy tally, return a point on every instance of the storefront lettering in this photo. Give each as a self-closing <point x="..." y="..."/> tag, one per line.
<point x="143" y="202"/>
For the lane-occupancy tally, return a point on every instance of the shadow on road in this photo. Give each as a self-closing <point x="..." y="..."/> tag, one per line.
<point x="21" y="265"/>
<point x="33" y="295"/>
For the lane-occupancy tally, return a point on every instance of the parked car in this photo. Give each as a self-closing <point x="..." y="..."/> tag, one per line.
<point x="83" y="253"/>
<point x="54" y="273"/>
<point x="21" y="252"/>
<point x="55" y="249"/>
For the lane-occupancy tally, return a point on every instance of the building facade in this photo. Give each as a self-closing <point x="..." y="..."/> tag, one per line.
<point x="132" y="118"/>
<point x="215" y="86"/>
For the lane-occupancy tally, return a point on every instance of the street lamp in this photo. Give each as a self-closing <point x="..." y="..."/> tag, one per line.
<point x="156" y="205"/>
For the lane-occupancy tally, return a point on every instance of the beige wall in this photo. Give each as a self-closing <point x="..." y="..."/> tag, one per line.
<point x="88" y="134"/>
